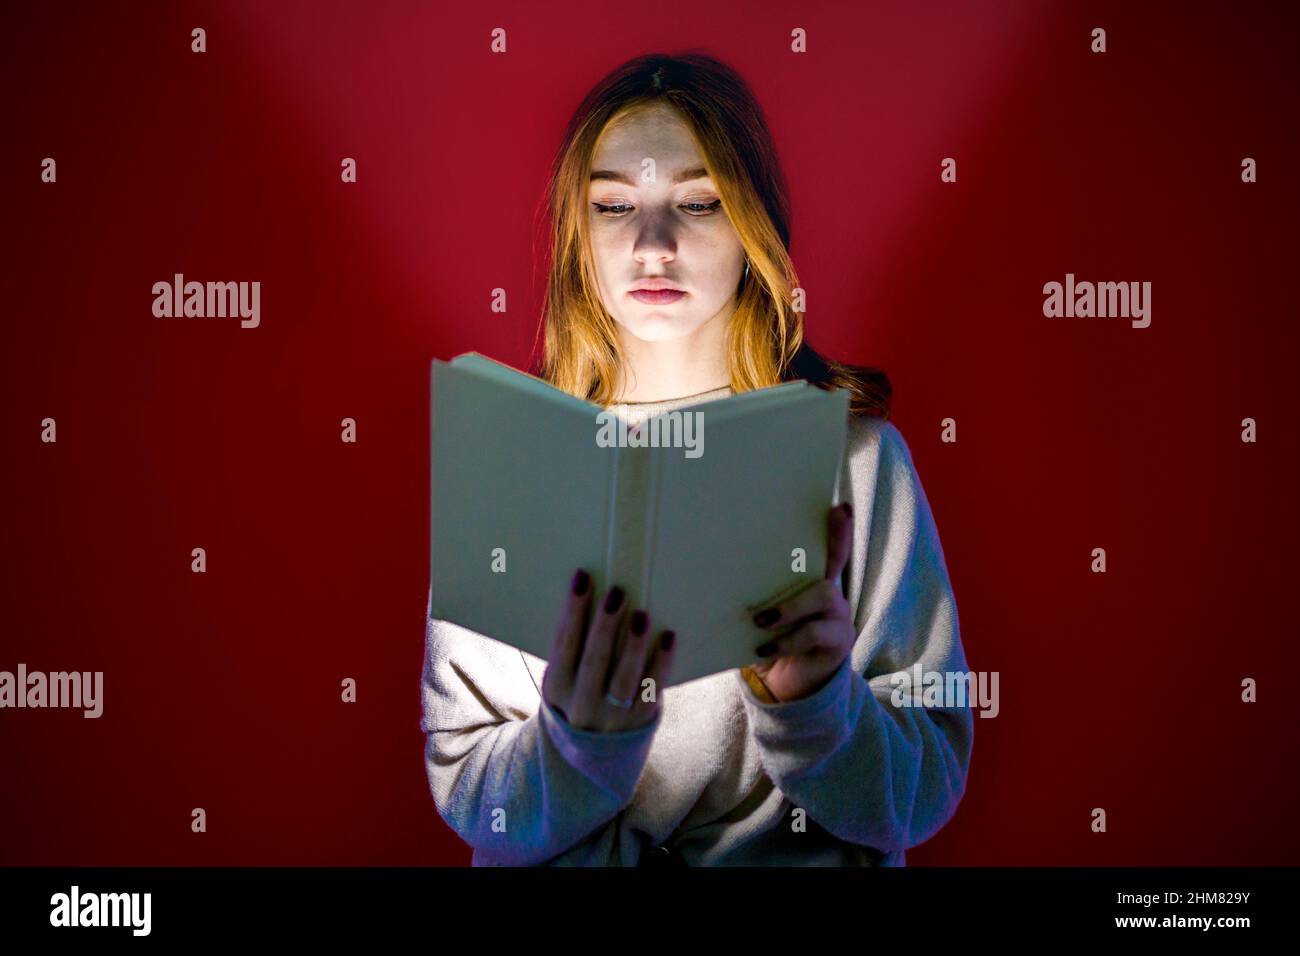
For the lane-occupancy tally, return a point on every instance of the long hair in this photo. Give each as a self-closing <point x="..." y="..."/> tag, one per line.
<point x="765" y="337"/>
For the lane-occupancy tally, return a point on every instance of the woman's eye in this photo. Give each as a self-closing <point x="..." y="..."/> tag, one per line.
<point x="612" y="209"/>
<point x="701" y="208"/>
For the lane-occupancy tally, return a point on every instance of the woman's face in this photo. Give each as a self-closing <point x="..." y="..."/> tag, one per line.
<point x="660" y="224"/>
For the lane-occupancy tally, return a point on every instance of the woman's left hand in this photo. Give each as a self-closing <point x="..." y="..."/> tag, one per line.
<point x="799" y="663"/>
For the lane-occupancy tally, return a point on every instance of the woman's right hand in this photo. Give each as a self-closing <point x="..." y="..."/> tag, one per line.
<point x="579" y="673"/>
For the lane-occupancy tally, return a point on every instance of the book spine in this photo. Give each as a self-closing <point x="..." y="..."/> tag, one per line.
<point x="632" y="488"/>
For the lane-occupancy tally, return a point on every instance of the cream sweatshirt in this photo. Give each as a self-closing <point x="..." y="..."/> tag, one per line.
<point x="720" y="777"/>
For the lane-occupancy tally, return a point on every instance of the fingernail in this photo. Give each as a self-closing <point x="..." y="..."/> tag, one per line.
<point x="848" y="510"/>
<point x="639" y="621"/>
<point x="767" y="650"/>
<point x="666" y="641"/>
<point x="766" y="616"/>
<point x="580" y="582"/>
<point x="613" y="600"/>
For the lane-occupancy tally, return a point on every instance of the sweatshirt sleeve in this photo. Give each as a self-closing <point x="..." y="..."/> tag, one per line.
<point x="506" y="771"/>
<point x="872" y="773"/>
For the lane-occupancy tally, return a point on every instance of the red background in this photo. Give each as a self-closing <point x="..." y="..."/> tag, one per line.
<point x="221" y="690"/>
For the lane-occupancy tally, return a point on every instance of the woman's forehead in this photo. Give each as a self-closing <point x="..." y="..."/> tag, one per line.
<point x="625" y="148"/>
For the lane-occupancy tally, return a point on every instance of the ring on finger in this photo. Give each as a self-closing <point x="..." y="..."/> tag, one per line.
<point x="615" y="702"/>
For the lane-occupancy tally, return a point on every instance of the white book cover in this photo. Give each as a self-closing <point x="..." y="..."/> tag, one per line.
<point x="703" y="515"/>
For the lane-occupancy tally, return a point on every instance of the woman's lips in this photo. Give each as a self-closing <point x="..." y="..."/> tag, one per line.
<point x="657" y="296"/>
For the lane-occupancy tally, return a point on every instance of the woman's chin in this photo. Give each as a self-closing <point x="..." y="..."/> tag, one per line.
<point x="659" y="327"/>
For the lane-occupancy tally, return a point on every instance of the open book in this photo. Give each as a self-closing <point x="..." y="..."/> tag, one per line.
<point x="702" y="515"/>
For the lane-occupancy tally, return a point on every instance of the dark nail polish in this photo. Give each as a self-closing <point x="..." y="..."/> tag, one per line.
<point x="848" y="509"/>
<point x="639" y="622"/>
<point x="767" y="650"/>
<point x="580" y="582"/>
<point x="613" y="600"/>
<point x="666" y="641"/>
<point x="766" y="616"/>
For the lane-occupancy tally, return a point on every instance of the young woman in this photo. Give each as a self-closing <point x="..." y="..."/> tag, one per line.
<point x="670" y="285"/>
